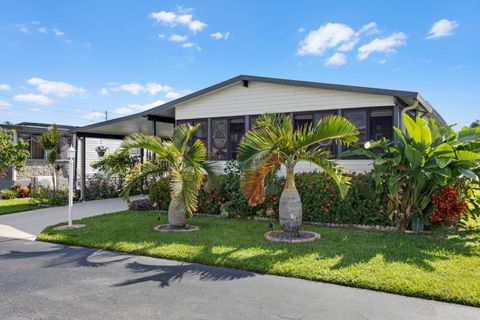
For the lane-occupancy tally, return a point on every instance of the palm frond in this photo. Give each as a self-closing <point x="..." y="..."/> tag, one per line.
<point x="182" y="134"/>
<point x="319" y="157"/>
<point x="141" y="171"/>
<point x="144" y="141"/>
<point x="332" y="127"/>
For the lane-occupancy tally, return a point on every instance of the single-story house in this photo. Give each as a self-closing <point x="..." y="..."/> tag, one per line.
<point x="37" y="171"/>
<point x="228" y="109"/>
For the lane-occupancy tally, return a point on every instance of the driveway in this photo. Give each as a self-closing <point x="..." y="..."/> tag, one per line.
<point x="48" y="281"/>
<point x="29" y="224"/>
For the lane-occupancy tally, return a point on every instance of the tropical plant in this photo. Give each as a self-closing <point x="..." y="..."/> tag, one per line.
<point x="50" y="142"/>
<point x="184" y="165"/>
<point x="12" y="154"/>
<point x="414" y="166"/>
<point x="273" y="142"/>
<point x="118" y="163"/>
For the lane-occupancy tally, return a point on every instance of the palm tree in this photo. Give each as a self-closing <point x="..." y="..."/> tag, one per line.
<point x="184" y="165"/>
<point x="49" y="141"/>
<point x="273" y="142"/>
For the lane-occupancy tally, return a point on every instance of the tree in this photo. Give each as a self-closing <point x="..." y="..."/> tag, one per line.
<point x="184" y="165"/>
<point x="414" y="166"/>
<point x="118" y="163"/>
<point x="50" y="142"/>
<point x="12" y="154"/>
<point x="475" y="124"/>
<point x="273" y="143"/>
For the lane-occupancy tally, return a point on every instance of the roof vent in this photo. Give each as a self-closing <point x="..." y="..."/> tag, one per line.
<point x="245" y="83"/>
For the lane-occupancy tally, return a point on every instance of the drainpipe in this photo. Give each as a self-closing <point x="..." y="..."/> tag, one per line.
<point x="405" y="110"/>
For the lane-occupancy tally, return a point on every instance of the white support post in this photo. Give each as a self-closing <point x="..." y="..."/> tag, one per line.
<point x="71" y="156"/>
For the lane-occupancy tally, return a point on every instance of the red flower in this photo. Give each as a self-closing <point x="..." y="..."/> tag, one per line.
<point x="332" y="195"/>
<point x="219" y="203"/>
<point x="328" y="177"/>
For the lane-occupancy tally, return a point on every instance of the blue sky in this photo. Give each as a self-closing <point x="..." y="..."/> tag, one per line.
<point x="69" y="61"/>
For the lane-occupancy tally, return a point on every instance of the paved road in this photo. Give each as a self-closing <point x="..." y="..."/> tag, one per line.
<point x="28" y="224"/>
<point x="47" y="281"/>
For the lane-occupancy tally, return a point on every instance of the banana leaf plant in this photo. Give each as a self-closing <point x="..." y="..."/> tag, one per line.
<point x="183" y="163"/>
<point x="413" y="166"/>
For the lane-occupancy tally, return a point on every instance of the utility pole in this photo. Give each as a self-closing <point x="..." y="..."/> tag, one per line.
<point x="106" y="115"/>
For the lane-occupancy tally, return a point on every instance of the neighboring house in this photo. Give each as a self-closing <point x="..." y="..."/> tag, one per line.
<point x="228" y="109"/>
<point x="37" y="171"/>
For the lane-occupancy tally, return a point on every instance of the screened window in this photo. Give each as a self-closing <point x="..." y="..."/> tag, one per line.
<point x="202" y="131"/>
<point x="220" y="139"/>
<point x="359" y="119"/>
<point x="300" y="120"/>
<point x="33" y="145"/>
<point x="237" y="130"/>
<point x="381" y="124"/>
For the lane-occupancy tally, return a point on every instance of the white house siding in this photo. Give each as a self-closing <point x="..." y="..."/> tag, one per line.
<point x="91" y="153"/>
<point x="260" y="97"/>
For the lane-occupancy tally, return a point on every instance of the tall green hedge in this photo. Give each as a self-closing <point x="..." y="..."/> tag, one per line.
<point x="320" y="196"/>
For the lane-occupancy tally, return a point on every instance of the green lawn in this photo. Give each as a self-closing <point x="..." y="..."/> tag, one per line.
<point x="16" y="205"/>
<point x="445" y="268"/>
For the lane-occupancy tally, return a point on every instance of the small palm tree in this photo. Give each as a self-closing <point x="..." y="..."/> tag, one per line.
<point x="273" y="142"/>
<point x="184" y="165"/>
<point x="50" y="141"/>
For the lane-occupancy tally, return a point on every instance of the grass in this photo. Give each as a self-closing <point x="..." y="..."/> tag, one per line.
<point x="17" y="205"/>
<point x="444" y="268"/>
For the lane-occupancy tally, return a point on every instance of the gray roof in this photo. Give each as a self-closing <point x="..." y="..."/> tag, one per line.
<point x="408" y="97"/>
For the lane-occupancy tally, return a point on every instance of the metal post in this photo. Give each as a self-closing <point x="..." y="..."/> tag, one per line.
<point x="84" y="167"/>
<point x="70" y="191"/>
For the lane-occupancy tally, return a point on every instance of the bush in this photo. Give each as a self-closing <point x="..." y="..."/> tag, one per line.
<point x="159" y="194"/>
<point x="49" y="196"/>
<point x="140" y="205"/>
<point x="447" y="207"/>
<point x="8" y="194"/>
<point x="321" y="201"/>
<point x="101" y="186"/>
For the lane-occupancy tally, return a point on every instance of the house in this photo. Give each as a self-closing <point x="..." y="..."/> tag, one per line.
<point x="225" y="111"/>
<point x="37" y="171"/>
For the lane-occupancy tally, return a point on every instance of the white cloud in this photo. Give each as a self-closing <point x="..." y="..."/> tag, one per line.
<point x="153" y="88"/>
<point x="457" y="67"/>
<point x="328" y="36"/>
<point x="180" y="17"/>
<point x="5" y="86"/>
<point x="4" y="104"/>
<point x="191" y="45"/>
<point x="178" y="38"/>
<point x="442" y="28"/>
<point x="161" y="36"/>
<point x="23" y="29"/>
<point x="219" y="35"/>
<point x="104" y="92"/>
<point x="34" y="109"/>
<point x="386" y="45"/>
<point x="57" y="88"/>
<point x="58" y="32"/>
<point x="94" y="115"/>
<point x="173" y="95"/>
<point x="371" y="27"/>
<point x="301" y="30"/>
<point x="42" y="30"/>
<point x="33" y="98"/>
<point x="132" y="108"/>
<point x="337" y="59"/>
<point x="132" y="88"/>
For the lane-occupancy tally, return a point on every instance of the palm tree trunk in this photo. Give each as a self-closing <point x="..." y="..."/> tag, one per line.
<point x="290" y="206"/>
<point x="176" y="214"/>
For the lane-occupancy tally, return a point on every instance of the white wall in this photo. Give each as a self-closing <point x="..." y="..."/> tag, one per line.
<point x="260" y="97"/>
<point x="91" y="154"/>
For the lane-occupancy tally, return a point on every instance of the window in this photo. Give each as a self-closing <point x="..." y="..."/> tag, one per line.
<point x="381" y="124"/>
<point x="63" y="146"/>
<point x="237" y="130"/>
<point x="202" y="131"/>
<point x="300" y="120"/>
<point x="33" y="145"/>
<point x="220" y="139"/>
<point x="359" y="119"/>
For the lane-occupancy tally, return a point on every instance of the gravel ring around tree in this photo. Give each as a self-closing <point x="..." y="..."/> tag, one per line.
<point x="280" y="236"/>
<point x="167" y="228"/>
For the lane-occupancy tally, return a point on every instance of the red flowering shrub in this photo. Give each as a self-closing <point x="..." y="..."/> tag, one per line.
<point x="447" y="207"/>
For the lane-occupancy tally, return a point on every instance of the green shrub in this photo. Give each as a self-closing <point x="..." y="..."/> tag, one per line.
<point x="140" y="205"/>
<point x="321" y="201"/>
<point x="8" y="194"/>
<point x="49" y="196"/>
<point x="100" y="186"/>
<point x="159" y="194"/>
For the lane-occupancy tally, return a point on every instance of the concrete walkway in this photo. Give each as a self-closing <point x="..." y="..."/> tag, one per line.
<point x="49" y="281"/>
<point x="29" y="224"/>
